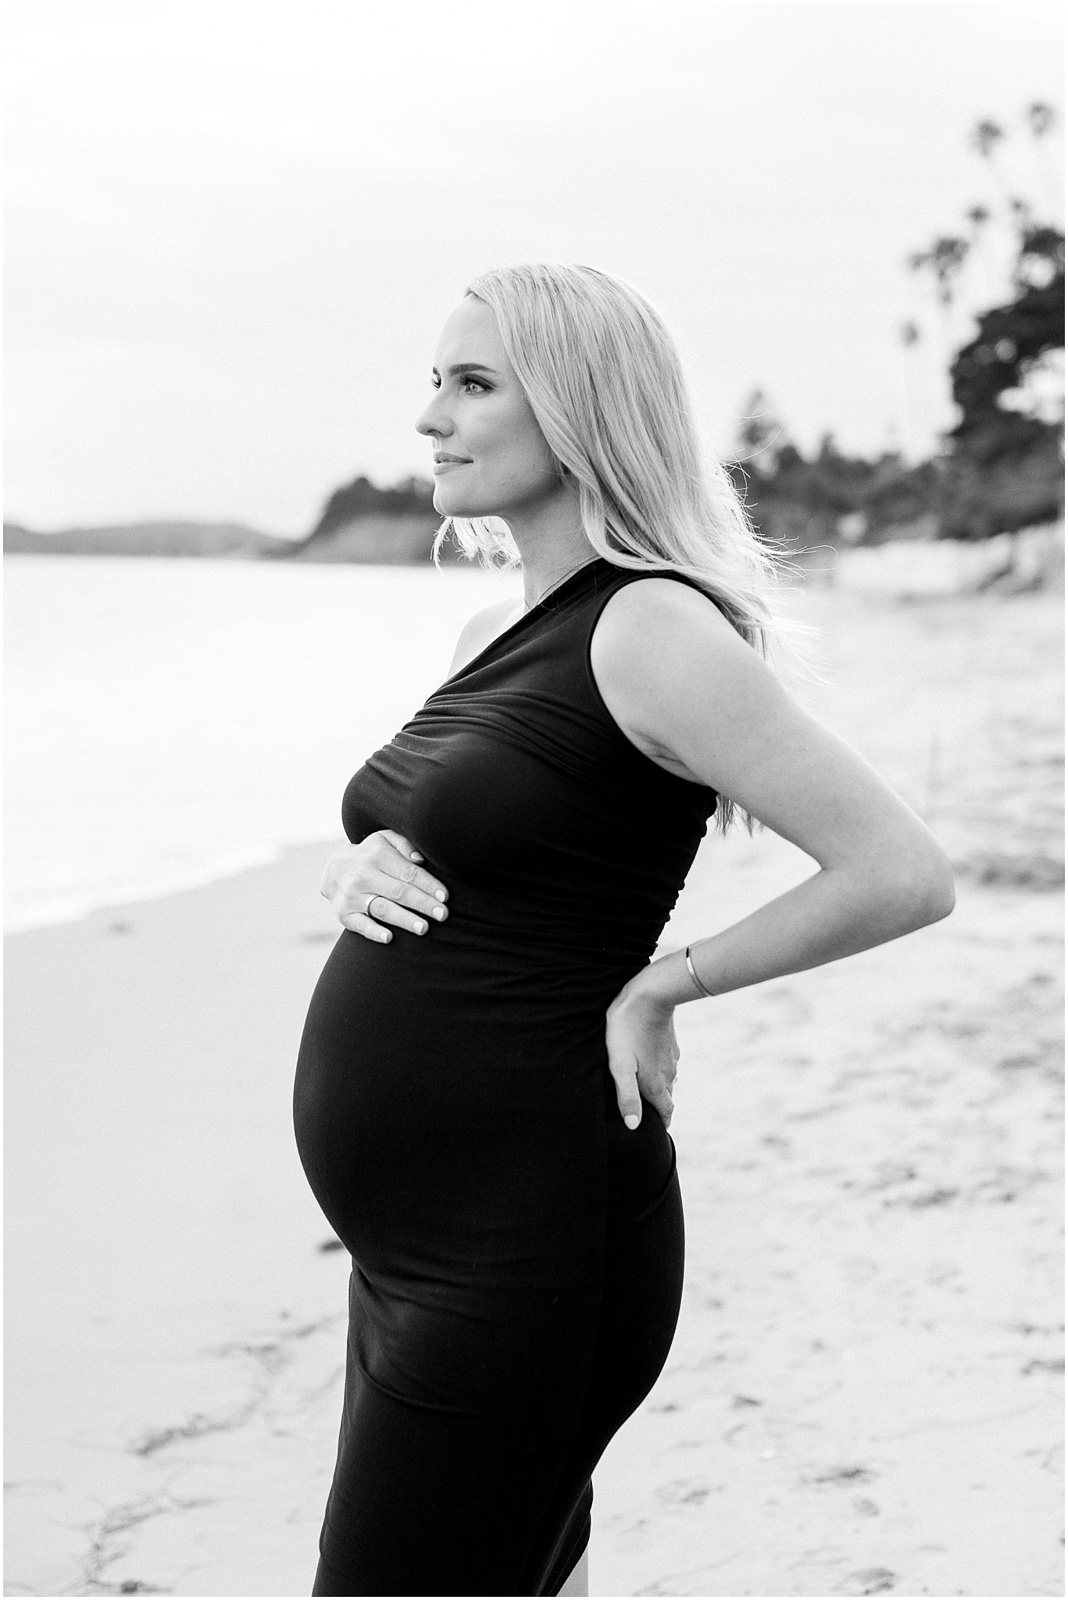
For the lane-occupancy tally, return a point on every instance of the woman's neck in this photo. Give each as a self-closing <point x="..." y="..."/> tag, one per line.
<point x="551" y="546"/>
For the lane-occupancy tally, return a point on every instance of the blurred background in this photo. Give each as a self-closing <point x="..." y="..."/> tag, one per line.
<point x="233" y="233"/>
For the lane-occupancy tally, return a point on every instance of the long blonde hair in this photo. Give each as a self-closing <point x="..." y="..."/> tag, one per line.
<point x="606" y="386"/>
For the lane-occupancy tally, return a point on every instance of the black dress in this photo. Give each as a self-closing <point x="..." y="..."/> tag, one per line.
<point x="517" y="1251"/>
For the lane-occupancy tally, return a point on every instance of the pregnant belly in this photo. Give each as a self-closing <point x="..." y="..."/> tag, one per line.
<point x="453" y="1122"/>
<point x="435" y="1123"/>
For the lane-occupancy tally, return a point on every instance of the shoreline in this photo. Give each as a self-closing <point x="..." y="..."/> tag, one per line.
<point x="214" y="870"/>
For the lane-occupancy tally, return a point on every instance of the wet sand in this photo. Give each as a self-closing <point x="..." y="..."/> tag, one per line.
<point x="863" y="1394"/>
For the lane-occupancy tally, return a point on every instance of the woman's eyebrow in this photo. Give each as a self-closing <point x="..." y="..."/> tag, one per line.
<point x="463" y="367"/>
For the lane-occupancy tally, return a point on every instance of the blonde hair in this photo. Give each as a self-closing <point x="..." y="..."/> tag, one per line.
<point x="606" y="386"/>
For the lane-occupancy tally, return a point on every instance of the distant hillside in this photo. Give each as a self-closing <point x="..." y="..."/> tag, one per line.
<point x="414" y="497"/>
<point x="361" y="522"/>
<point x="380" y="539"/>
<point x="228" y="540"/>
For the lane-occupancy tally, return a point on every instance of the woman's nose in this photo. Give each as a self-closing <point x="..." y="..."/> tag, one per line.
<point x="431" y="421"/>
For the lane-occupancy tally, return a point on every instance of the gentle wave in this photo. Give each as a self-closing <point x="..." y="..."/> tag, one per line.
<point x="47" y="913"/>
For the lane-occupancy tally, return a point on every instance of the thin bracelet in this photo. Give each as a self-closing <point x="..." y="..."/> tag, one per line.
<point x="693" y="974"/>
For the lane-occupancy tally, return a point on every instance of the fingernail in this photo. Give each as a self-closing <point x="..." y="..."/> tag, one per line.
<point x="420" y="927"/>
<point x="385" y="937"/>
<point x="441" y="913"/>
<point x="439" y="894"/>
<point x="632" y="1121"/>
<point x="416" y="856"/>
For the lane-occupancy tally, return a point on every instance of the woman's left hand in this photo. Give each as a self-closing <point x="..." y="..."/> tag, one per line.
<point x="643" y="1053"/>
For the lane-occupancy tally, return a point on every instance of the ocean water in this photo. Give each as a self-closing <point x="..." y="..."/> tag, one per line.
<point x="172" y="721"/>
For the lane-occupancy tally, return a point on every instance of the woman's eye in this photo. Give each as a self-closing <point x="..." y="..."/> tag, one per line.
<point x="468" y="383"/>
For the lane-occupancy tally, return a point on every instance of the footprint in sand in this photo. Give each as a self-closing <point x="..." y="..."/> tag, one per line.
<point x="873" y="1580"/>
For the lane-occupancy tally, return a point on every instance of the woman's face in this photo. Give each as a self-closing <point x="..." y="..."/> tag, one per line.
<point x="490" y="456"/>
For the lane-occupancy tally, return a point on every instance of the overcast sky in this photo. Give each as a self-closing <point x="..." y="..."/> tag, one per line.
<point x="235" y="228"/>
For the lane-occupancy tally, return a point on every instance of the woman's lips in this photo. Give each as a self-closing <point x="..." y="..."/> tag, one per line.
<point x="447" y="464"/>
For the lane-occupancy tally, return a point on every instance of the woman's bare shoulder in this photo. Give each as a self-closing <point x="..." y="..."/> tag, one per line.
<point x="481" y="630"/>
<point x="667" y="662"/>
<point x="651" y="628"/>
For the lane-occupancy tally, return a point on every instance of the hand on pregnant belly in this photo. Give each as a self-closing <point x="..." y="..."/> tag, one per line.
<point x="379" y="881"/>
<point x="643" y="1053"/>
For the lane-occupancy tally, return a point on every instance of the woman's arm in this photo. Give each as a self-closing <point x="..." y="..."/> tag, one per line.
<point x="700" y="701"/>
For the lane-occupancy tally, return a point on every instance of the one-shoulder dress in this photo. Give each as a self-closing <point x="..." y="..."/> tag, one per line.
<point x="516" y="1250"/>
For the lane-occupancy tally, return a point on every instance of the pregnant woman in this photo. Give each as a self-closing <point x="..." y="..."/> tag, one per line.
<point x="484" y="1082"/>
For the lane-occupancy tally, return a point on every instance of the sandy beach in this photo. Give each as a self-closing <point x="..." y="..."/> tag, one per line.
<point x="863" y="1396"/>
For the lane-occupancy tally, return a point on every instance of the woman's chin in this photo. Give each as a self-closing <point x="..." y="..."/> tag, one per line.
<point x="456" y="505"/>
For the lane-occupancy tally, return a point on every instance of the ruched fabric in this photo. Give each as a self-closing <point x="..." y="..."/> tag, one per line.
<point x="517" y="1252"/>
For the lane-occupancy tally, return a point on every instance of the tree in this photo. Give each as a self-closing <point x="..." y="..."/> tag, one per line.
<point x="1004" y="465"/>
<point x="985" y="138"/>
<point x="760" y="434"/>
<point x="1040" y="118"/>
<point x="361" y="498"/>
<point x="944" y="258"/>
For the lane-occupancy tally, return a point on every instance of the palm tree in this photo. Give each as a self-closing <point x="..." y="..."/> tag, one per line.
<point x="910" y="335"/>
<point x="1041" y="119"/>
<point x="944" y="257"/>
<point x="985" y="138"/>
<point x="978" y="219"/>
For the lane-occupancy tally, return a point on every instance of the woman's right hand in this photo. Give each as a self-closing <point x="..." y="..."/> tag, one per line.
<point x="382" y="871"/>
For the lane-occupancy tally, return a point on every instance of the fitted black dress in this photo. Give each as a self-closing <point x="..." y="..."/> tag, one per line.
<point x="517" y="1251"/>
